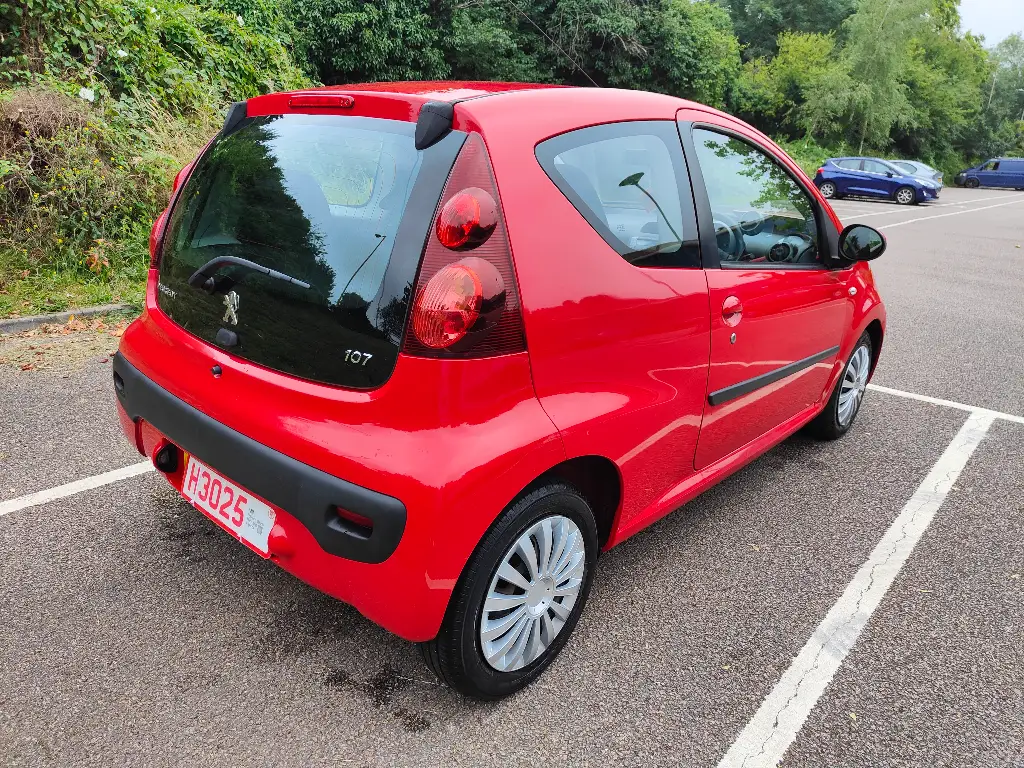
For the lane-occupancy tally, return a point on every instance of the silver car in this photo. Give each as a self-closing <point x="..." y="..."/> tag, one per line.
<point x="919" y="170"/>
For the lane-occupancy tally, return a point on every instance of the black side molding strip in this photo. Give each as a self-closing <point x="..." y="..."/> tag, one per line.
<point x="748" y="386"/>
<point x="311" y="495"/>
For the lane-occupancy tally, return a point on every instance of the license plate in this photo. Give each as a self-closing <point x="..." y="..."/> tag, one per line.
<point x="228" y="504"/>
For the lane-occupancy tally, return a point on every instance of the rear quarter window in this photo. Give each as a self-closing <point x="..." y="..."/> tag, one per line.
<point x="629" y="181"/>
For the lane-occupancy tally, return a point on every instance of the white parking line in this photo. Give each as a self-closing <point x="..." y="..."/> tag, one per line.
<point x="765" y="739"/>
<point x="953" y="213"/>
<point x="70" y="489"/>
<point x="947" y="403"/>
<point x="904" y="209"/>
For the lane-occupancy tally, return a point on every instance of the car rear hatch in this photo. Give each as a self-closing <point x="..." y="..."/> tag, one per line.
<point x="296" y="238"/>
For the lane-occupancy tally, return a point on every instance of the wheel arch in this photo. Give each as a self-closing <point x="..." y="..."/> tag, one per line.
<point x="876" y="334"/>
<point x="598" y="480"/>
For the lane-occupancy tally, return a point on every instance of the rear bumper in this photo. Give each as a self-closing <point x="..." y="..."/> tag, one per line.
<point x="310" y="496"/>
<point x="453" y="469"/>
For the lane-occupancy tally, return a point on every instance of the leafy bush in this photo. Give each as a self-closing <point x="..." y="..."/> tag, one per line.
<point x="104" y="103"/>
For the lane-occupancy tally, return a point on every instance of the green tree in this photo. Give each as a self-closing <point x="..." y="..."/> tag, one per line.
<point x="772" y="91"/>
<point x="864" y="95"/>
<point x="759" y="23"/>
<point x="345" y="41"/>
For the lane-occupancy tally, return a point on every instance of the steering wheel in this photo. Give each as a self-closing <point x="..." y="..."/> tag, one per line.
<point x="752" y="221"/>
<point x="800" y="250"/>
<point x="729" y="235"/>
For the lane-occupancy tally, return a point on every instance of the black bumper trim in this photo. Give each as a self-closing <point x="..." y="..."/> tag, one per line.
<point x="746" y="387"/>
<point x="307" y="493"/>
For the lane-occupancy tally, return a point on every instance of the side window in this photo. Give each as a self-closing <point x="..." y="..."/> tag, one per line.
<point x="629" y="182"/>
<point x="850" y="165"/>
<point x="762" y="217"/>
<point x="873" y="166"/>
<point x="991" y="165"/>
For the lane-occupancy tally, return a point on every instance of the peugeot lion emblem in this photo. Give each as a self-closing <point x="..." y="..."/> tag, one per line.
<point x="231" y="308"/>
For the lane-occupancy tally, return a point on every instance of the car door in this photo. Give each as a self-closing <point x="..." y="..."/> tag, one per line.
<point x="878" y="179"/>
<point x="1011" y="173"/>
<point x="616" y="301"/>
<point x="777" y="311"/>
<point x="989" y="174"/>
<point x="852" y="179"/>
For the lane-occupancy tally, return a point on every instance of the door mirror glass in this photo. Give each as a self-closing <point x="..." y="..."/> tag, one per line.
<point x="861" y="243"/>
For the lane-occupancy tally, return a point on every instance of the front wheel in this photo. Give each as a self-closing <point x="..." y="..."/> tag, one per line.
<point x="972" y="183"/>
<point x="519" y="597"/>
<point x="844" y="405"/>
<point x="906" y="196"/>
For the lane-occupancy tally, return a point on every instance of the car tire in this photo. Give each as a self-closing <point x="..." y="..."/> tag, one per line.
<point x="828" y="190"/>
<point x="842" y="408"/>
<point x="905" y="196"/>
<point x="457" y="655"/>
<point x="972" y="183"/>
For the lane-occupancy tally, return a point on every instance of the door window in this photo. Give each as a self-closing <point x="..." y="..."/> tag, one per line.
<point x="762" y="216"/>
<point x="628" y="181"/>
<point x="992" y="165"/>
<point x="850" y="165"/>
<point x="873" y="166"/>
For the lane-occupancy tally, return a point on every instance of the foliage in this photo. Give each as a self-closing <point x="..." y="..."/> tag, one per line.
<point x="675" y="46"/>
<point x="104" y="102"/>
<point x="772" y="91"/>
<point x="759" y="23"/>
<point x="352" y="41"/>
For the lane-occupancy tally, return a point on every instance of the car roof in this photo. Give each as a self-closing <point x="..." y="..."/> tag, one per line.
<point x="439" y="90"/>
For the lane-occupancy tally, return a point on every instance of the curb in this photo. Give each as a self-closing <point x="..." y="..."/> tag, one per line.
<point x="16" y="324"/>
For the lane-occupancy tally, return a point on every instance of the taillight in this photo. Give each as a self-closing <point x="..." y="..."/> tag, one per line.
<point x="466" y="304"/>
<point x="821" y="170"/>
<point x="467" y="220"/>
<point x="156" y="234"/>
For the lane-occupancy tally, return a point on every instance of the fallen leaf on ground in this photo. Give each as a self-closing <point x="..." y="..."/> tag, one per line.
<point x="27" y="367"/>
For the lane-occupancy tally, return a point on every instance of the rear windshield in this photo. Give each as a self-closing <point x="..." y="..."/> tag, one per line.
<point x="278" y="247"/>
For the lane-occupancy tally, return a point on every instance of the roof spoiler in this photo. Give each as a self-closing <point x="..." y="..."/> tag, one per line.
<point x="237" y="112"/>
<point x="434" y="123"/>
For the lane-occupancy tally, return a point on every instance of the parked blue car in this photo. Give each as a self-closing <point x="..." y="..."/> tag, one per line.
<point x="872" y="177"/>
<point x="999" y="172"/>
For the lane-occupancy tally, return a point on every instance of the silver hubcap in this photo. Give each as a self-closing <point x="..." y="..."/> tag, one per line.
<point x="828" y="190"/>
<point x="532" y="593"/>
<point x="855" y="381"/>
<point x="904" y="196"/>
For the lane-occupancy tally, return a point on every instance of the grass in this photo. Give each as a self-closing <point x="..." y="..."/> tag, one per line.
<point x="53" y="291"/>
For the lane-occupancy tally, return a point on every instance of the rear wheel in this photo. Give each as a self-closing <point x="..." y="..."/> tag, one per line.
<point x="972" y="183"/>
<point x="844" y="405"/>
<point x="520" y="596"/>
<point x="828" y="190"/>
<point x="905" y="196"/>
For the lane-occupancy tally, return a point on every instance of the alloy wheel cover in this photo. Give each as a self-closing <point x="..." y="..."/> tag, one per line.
<point x="532" y="593"/>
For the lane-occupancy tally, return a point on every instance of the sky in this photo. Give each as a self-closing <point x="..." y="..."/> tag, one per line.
<point x="995" y="19"/>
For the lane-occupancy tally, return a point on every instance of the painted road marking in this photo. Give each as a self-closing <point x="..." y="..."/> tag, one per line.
<point x="70" y="489"/>
<point x="904" y="209"/>
<point x="947" y="403"/>
<point x="953" y="213"/>
<point x="765" y="739"/>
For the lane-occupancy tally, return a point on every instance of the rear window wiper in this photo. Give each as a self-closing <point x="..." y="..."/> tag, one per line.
<point x="204" y="276"/>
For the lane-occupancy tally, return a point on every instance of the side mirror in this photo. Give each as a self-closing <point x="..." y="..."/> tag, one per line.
<point x="861" y="243"/>
<point x="890" y="174"/>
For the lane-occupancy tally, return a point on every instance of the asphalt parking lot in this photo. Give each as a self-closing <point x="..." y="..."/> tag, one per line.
<point x="858" y="603"/>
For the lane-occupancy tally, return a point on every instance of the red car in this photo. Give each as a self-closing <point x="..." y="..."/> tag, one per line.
<point x="432" y="347"/>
